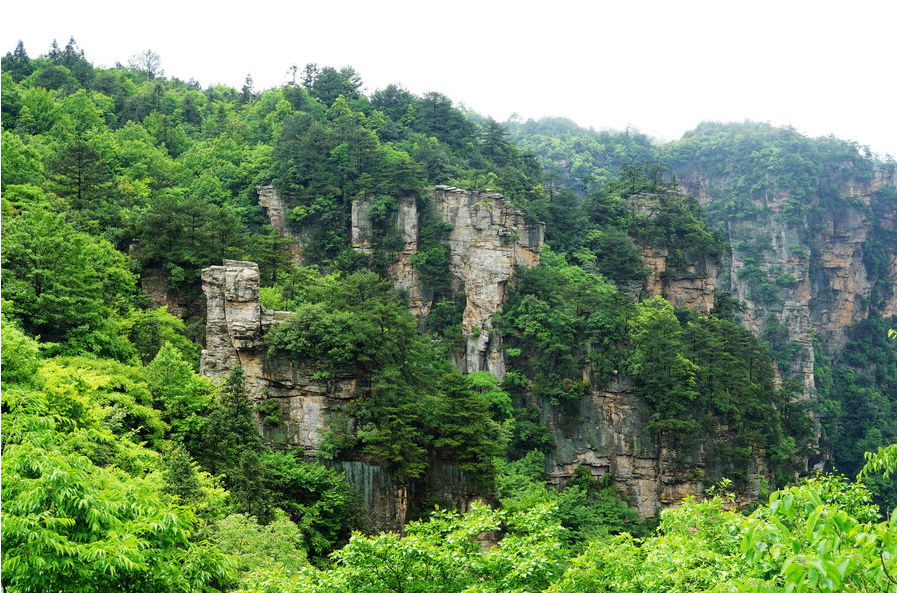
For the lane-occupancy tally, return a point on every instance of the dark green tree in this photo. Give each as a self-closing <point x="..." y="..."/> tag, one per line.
<point x="436" y="116"/>
<point x="17" y="63"/>
<point x="180" y="477"/>
<point x="80" y="175"/>
<point x="393" y="101"/>
<point x="187" y="233"/>
<point x="328" y="83"/>
<point x="494" y="142"/>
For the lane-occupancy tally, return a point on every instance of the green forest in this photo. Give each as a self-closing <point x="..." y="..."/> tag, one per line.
<point x="126" y="469"/>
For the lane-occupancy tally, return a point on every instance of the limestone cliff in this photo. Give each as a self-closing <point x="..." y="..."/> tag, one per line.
<point x="693" y="285"/>
<point x="154" y="282"/>
<point x="236" y="324"/>
<point x="276" y="210"/>
<point x="806" y="271"/>
<point x="489" y="240"/>
<point x="606" y="432"/>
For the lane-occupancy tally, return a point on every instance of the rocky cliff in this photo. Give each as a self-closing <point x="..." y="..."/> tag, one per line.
<point x="276" y="210"/>
<point x="489" y="240"/>
<point x="236" y="324"/>
<point x="693" y="285"/>
<point x="606" y="432"/>
<point x="806" y="271"/>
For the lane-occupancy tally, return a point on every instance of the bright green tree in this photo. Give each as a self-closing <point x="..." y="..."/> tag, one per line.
<point x="65" y="286"/>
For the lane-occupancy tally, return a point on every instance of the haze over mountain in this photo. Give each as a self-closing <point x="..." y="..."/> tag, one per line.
<point x="657" y="66"/>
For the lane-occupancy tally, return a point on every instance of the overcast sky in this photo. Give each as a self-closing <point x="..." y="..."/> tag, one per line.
<point x="661" y="66"/>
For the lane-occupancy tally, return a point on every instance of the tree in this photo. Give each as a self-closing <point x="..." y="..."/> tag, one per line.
<point x="72" y="57"/>
<point x="64" y="285"/>
<point x="187" y="233"/>
<point x="17" y="63"/>
<point x="494" y="142"/>
<point x="328" y="83"/>
<point x="435" y="116"/>
<point x="258" y="548"/>
<point x="665" y="377"/>
<point x="149" y="330"/>
<point x="21" y="163"/>
<point x="229" y="429"/>
<point x="82" y="505"/>
<point x="148" y="63"/>
<point x="184" y="397"/>
<point x="315" y="497"/>
<point x="394" y="101"/>
<point x="80" y="175"/>
<point x="53" y="77"/>
<point x="69" y="525"/>
<point x="247" y="93"/>
<point x="180" y="477"/>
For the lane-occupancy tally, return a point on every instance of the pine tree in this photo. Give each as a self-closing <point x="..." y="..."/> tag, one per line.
<point x="17" y="63"/>
<point x="180" y="477"/>
<point x="80" y="174"/>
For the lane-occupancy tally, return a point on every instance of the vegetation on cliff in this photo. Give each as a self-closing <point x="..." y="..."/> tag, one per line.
<point x="126" y="470"/>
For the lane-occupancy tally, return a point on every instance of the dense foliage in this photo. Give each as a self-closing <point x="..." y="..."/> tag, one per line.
<point x="126" y="470"/>
<point x="697" y="373"/>
<point x="755" y="163"/>
<point x="859" y="401"/>
<point x="411" y="404"/>
<point x="822" y="534"/>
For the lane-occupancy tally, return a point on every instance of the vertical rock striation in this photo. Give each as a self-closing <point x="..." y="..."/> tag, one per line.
<point x="236" y="324"/>
<point x="490" y="239"/>
<point x="805" y="271"/>
<point x="276" y="210"/>
<point x="606" y="431"/>
<point x="692" y="286"/>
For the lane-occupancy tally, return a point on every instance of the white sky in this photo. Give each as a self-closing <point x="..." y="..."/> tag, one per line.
<point x="661" y="66"/>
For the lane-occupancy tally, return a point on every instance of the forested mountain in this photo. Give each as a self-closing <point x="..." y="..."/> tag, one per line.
<point x="558" y="331"/>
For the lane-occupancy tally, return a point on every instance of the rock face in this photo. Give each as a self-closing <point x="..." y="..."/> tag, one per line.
<point x="607" y="432"/>
<point x="808" y="275"/>
<point x="807" y="272"/>
<point x="692" y="286"/>
<point x="154" y="283"/>
<point x="490" y="239"/>
<point x="236" y="324"/>
<point x="275" y="208"/>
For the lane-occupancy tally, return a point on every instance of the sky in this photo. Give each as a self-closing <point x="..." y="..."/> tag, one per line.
<point x="660" y="66"/>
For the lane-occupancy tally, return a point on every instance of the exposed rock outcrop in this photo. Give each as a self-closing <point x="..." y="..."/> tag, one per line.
<point x="692" y="286"/>
<point x="606" y="431"/>
<point x="154" y="282"/>
<point x="805" y="271"/>
<point x="276" y="209"/>
<point x="490" y="239"/>
<point x="236" y="324"/>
